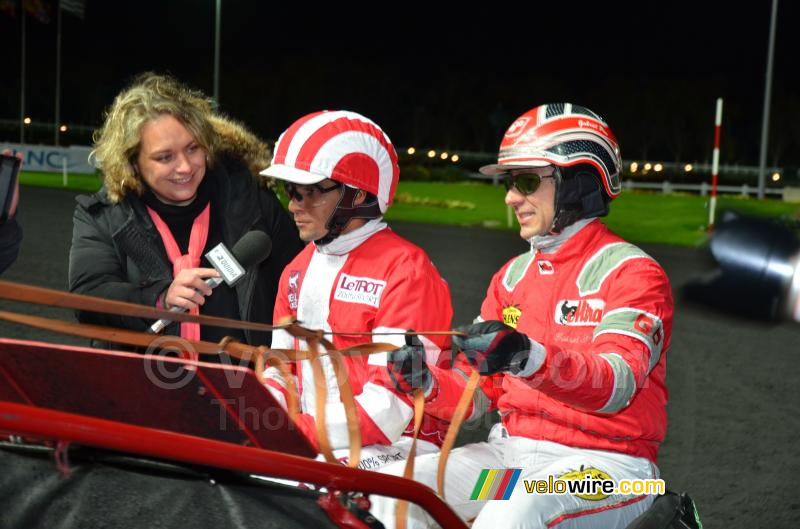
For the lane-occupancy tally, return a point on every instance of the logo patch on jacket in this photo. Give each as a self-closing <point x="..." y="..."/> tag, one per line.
<point x="579" y="312"/>
<point x="511" y="315"/>
<point x="294" y="276"/>
<point x="545" y="268"/>
<point x="366" y="290"/>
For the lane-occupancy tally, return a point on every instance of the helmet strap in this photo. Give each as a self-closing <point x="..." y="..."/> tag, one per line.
<point x="346" y="210"/>
<point x="557" y="225"/>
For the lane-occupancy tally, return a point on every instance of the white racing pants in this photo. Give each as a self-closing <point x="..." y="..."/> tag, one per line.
<point x="373" y="457"/>
<point x="537" y="460"/>
<point x="378" y="457"/>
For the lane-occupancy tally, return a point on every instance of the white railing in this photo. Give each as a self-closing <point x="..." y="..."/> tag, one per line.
<point x="703" y="188"/>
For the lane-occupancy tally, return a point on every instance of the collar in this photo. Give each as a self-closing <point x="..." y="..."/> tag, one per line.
<point x="551" y="242"/>
<point x="347" y="242"/>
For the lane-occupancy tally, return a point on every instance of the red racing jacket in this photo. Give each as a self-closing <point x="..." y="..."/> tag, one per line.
<point x="384" y="284"/>
<point x="603" y="309"/>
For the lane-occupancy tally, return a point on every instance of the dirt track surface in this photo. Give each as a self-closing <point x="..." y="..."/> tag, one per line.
<point x="734" y="410"/>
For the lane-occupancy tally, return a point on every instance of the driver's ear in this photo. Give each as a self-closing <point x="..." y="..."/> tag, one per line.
<point x="361" y="196"/>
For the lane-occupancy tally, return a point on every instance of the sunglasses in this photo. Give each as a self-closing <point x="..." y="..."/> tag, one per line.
<point x="525" y="183"/>
<point x="311" y="195"/>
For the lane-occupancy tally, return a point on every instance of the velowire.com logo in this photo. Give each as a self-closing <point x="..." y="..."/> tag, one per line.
<point x="495" y="484"/>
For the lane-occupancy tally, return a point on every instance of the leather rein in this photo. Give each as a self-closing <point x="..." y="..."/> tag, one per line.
<point x="259" y="356"/>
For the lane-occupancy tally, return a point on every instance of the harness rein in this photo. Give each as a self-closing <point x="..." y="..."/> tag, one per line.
<point x="260" y="357"/>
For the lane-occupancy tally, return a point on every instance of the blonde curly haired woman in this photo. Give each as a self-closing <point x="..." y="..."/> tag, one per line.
<point x="178" y="180"/>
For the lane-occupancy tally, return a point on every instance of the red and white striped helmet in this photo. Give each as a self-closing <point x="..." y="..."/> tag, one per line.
<point x="340" y="145"/>
<point x="561" y="134"/>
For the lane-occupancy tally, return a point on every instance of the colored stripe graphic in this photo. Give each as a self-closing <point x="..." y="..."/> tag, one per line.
<point x="479" y="484"/>
<point x="495" y="484"/>
<point x="487" y="484"/>
<point x="512" y="482"/>
<point x="492" y="492"/>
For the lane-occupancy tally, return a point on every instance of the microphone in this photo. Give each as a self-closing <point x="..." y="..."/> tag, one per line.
<point x="254" y="247"/>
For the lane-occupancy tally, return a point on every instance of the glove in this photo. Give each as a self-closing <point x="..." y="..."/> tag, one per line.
<point x="407" y="367"/>
<point x="492" y="346"/>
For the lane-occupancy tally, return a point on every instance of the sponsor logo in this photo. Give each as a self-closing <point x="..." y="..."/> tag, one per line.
<point x="294" y="277"/>
<point x="545" y="268"/>
<point x="511" y="315"/>
<point x="579" y="312"/>
<point x="352" y="289"/>
<point x="517" y="127"/>
<point x="645" y="325"/>
<point x="584" y="124"/>
<point x="495" y="484"/>
<point x="590" y="473"/>
<point x="227" y="265"/>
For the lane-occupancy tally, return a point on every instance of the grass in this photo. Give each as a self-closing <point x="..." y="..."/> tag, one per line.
<point x="76" y="182"/>
<point x="641" y="217"/>
<point x="678" y="219"/>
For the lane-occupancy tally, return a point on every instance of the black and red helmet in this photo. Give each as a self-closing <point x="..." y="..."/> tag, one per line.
<point x="564" y="135"/>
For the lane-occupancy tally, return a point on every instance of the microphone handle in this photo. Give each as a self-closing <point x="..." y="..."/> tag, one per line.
<point x="159" y="326"/>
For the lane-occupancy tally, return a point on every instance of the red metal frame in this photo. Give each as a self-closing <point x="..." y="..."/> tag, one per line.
<point x="27" y="420"/>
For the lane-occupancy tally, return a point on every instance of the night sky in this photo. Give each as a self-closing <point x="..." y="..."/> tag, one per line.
<point x="439" y="78"/>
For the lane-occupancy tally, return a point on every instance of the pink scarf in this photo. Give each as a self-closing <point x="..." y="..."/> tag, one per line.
<point x="197" y="241"/>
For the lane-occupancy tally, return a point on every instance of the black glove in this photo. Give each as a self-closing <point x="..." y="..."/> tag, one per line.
<point x="407" y="367"/>
<point x="492" y="346"/>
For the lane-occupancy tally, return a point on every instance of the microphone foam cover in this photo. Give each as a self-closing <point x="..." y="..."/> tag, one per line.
<point x="252" y="248"/>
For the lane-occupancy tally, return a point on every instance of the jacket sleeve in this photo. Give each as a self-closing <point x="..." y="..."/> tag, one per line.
<point x="10" y="241"/>
<point x="450" y="379"/>
<point x="627" y="344"/>
<point x="281" y="340"/>
<point x="491" y="387"/>
<point x="449" y="385"/>
<point x="96" y="269"/>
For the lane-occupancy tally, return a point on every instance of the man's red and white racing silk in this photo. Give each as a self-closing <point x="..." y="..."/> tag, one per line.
<point x="603" y="310"/>
<point x="376" y="284"/>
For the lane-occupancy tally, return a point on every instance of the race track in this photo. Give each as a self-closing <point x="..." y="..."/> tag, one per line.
<point x="734" y="410"/>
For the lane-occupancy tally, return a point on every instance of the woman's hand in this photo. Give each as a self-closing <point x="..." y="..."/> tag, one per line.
<point x="189" y="289"/>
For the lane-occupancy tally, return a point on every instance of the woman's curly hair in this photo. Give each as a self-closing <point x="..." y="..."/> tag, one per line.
<point x="117" y="143"/>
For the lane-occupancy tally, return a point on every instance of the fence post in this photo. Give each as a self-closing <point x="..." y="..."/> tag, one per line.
<point x="703" y="188"/>
<point x="745" y="190"/>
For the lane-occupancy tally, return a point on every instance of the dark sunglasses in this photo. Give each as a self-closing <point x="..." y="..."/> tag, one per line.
<point x="313" y="193"/>
<point x="525" y="183"/>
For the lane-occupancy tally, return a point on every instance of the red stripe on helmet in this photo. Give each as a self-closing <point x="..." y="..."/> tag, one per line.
<point x="287" y="137"/>
<point x="575" y="122"/>
<point x="334" y="128"/>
